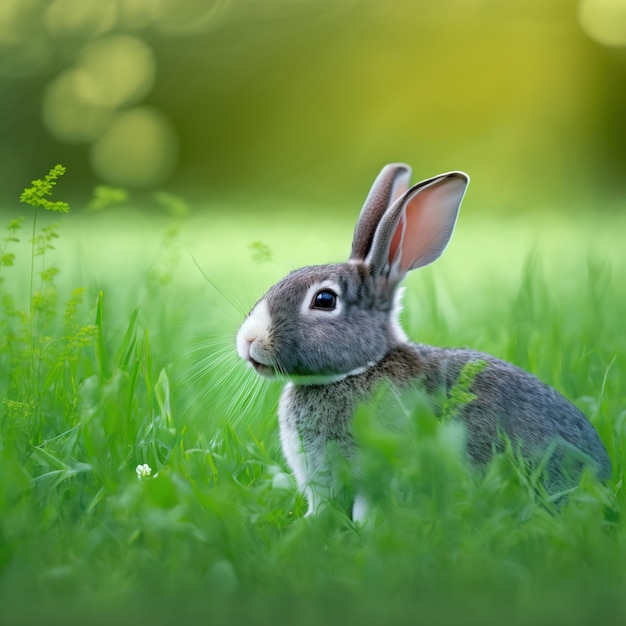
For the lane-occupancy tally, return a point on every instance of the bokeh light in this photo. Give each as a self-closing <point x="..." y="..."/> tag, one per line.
<point x="117" y="70"/>
<point x="136" y="14"/>
<point x="67" y="115"/>
<point x="17" y="20"/>
<point x="285" y="94"/>
<point x="81" y="18"/>
<point x="188" y="17"/>
<point x="604" y="21"/>
<point x="139" y="149"/>
<point x="24" y="46"/>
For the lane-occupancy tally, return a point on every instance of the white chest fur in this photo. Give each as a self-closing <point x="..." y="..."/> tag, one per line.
<point x="310" y="418"/>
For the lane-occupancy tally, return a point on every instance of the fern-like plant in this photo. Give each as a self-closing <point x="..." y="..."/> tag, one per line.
<point x="26" y="340"/>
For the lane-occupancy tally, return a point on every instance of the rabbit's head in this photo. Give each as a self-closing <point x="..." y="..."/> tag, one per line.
<point x="325" y="322"/>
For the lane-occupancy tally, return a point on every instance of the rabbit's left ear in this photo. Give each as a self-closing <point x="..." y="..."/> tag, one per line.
<point x="416" y="229"/>
<point x="390" y="184"/>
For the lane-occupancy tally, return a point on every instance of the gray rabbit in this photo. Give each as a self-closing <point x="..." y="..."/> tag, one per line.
<point x="332" y="331"/>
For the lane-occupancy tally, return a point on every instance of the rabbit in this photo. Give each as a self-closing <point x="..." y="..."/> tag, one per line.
<point x="332" y="332"/>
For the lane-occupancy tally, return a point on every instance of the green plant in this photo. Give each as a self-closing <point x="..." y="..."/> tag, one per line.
<point x="105" y="197"/>
<point x="461" y="394"/>
<point x="215" y="530"/>
<point x="42" y="365"/>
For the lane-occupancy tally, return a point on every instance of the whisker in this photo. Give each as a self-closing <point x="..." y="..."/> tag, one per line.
<point x="224" y="295"/>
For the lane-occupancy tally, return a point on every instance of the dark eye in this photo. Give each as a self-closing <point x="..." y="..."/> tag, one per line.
<point x="325" y="300"/>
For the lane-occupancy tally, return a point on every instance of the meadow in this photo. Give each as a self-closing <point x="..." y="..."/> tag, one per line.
<point x="117" y="350"/>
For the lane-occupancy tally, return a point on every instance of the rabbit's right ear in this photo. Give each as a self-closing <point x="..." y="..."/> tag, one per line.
<point x="417" y="228"/>
<point x="389" y="185"/>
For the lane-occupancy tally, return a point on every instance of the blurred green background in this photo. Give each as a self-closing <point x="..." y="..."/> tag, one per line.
<point x="243" y="110"/>
<point x="304" y="100"/>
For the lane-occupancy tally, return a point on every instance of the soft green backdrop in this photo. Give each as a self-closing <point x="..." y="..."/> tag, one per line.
<point x="287" y="100"/>
<point x="237" y="141"/>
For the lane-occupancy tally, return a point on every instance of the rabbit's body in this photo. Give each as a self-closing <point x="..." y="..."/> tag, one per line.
<point x="333" y="331"/>
<point x="534" y="417"/>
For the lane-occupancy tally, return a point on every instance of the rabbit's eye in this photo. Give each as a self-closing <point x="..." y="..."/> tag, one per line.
<point x="325" y="300"/>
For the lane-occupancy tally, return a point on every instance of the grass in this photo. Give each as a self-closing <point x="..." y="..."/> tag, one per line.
<point x="138" y="368"/>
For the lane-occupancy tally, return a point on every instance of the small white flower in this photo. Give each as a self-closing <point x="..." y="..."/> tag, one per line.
<point x="143" y="471"/>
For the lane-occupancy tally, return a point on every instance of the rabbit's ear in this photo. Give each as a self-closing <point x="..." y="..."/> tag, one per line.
<point x="417" y="227"/>
<point x="389" y="185"/>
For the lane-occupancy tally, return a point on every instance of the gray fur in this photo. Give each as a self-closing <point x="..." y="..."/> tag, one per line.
<point x="378" y="256"/>
<point x="348" y="353"/>
<point x="333" y="346"/>
<point x="393" y="178"/>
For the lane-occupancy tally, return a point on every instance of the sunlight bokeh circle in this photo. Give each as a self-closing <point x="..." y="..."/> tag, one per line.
<point x="67" y="115"/>
<point x="604" y="21"/>
<point x="15" y="18"/>
<point x="136" y="14"/>
<point x="80" y="18"/>
<point x="117" y="70"/>
<point x="24" y="44"/>
<point x="139" y="149"/>
<point x="188" y="17"/>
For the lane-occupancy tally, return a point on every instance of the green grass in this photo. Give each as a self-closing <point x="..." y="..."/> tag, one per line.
<point x="140" y="368"/>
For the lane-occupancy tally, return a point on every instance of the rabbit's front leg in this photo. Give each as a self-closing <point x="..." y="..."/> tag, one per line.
<point x="314" y="452"/>
<point x="301" y="464"/>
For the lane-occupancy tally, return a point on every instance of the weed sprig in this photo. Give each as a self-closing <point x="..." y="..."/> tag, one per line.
<point x="36" y="360"/>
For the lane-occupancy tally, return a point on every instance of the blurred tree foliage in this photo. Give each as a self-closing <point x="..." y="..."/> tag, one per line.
<point x="306" y="99"/>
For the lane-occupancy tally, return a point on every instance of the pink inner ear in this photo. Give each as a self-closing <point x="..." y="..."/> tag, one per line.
<point x="396" y="240"/>
<point x="399" y="188"/>
<point x="427" y="223"/>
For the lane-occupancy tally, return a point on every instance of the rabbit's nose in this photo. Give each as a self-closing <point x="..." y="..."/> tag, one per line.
<point x="243" y="346"/>
<point x="253" y="332"/>
<point x="259" y="353"/>
<point x="252" y="349"/>
<point x="256" y="353"/>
